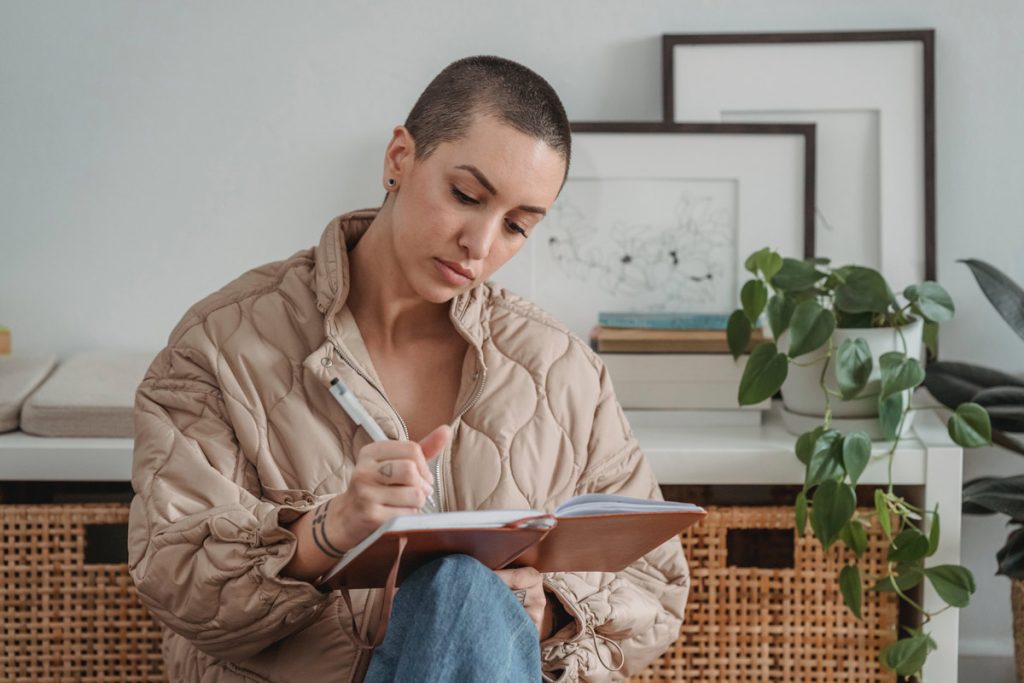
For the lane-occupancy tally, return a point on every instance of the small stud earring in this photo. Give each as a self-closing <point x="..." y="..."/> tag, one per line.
<point x="391" y="182"/>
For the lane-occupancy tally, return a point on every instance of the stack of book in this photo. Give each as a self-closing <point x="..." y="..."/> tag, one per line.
<point x="675" y="361"/>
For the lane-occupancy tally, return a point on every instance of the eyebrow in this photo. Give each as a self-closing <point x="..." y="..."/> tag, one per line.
<point x="482" y="179"/>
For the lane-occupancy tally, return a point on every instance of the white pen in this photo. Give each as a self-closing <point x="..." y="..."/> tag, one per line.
<point x="355" y="410"/>
<point x="347" y="399"/>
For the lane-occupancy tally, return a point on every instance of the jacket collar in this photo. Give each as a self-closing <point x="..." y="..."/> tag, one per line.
<point x="332" y="279"/>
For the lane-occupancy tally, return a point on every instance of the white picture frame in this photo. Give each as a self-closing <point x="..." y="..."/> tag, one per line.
<point x="661" y="216"/>
<point x="871" y="96"/>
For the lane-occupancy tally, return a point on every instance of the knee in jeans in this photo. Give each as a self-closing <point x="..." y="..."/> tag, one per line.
<point x="460" y="573"/>
<point x="462" y="566"/>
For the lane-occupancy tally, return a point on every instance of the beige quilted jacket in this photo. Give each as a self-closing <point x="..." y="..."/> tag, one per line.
<point x="236" y="434"/>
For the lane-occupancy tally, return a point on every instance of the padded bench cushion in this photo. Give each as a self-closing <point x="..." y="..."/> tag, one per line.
<point x="19" y="376"/>
<point x="90" y="394"/>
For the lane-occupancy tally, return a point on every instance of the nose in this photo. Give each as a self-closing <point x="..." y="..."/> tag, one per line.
<point x="478" y="236"/>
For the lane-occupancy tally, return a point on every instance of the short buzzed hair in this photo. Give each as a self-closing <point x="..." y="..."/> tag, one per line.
<point x="493" y="86"/>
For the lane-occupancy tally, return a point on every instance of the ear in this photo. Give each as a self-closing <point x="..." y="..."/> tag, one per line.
<point x="400" y="153"/>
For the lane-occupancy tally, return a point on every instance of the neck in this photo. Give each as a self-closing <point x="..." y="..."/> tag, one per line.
<point x="388" y="311"/>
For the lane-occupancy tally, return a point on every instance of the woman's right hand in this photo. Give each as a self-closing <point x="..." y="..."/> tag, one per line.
<point x="390" y="478"/>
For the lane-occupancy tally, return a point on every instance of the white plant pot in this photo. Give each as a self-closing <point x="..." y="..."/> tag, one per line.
<point x="804" y="401"/>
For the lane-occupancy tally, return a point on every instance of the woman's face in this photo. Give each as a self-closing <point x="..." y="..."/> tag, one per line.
<point x="466" y="209"/>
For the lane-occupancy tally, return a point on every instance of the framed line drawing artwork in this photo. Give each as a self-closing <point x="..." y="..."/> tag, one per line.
<point x="661" y="216"/>
<point x="872" y="97"/>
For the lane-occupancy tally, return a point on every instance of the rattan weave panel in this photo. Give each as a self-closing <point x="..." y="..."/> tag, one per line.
<point x="747" y="624"/>
<point x="60" y="618"/>
<point x="64" y="620"/>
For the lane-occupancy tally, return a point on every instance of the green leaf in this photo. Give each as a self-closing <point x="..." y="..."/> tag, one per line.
<point x="826" y="459"/>
<point x="953" y="583"/>
<point x="934" y="532"/>
<point x="969" y="426"/>
<point x="905" y="580"/>
<point x="953" y="383"/>
<point x="780" y="312"/>
<point x="764" y="374"/>
<point x="854" y="536"/>
<point x="909" y="545"/>
<point x="1004" y="495"/>
<point x="765" y="260"/>
<point x="795" y="276"/>
<point x="907" y="656"/>
<point x="931" y="337"/>
<point x="751" y="263"/>
<point x="864" y="291"/>
<point x="898" y="373"/>
<point x="882" y="510"/>
<point x="831" y="508"/>
<point x="931" y="300"/>
<point x="1011" y="556"/>
<point x="810" y="328"/>
<point x="737" y="333"/>
<point x="846" y="320"/>
<point x="801" y="513"/>
<point x="853" y="367"/>
<point x="856" y="453"/>
<point x="805" y="444"/>
<point x="1005" y="295"/>
<point x="770" y="264"/>
<point x="753" y="296"/>
<point x="1005" y="407"/>
<point x="890" y="410"/>
<point x="849" y="586"/>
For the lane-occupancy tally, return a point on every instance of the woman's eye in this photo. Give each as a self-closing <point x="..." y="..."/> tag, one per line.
<point x="464" y="198"/>
<point x="515" y="228"/>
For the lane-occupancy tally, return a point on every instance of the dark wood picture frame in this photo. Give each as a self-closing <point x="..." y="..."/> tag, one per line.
<point x="926" y="37"/>
<point x="807" y="130"/>
<point x="595" y="158"/>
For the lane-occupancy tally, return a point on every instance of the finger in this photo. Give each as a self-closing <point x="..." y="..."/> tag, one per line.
<point x="434" y="442"/>
<point x="524" y="577"/>
<point x="400" y="496"/>
<point x="401" y="472"/>
<point x="401" y="450"/>
<point x="373" y="474"/>
<point x="528" y="577"/>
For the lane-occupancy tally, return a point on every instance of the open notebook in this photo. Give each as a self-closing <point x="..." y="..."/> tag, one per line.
<point x="592" y="532"/>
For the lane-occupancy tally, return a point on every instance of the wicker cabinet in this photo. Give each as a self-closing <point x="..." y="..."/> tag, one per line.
<point x="66" y="617"/>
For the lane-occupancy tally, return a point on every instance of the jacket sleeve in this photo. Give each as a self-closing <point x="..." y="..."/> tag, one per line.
<point x="623" y="620"/>
<point x="205" y="551"/>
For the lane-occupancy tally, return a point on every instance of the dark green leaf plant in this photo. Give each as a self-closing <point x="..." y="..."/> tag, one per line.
<point x="1001" y="397"/>
<point x="810" y="299"/>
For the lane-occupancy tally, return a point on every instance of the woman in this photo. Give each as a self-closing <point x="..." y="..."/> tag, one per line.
<point x="250" y="480"/>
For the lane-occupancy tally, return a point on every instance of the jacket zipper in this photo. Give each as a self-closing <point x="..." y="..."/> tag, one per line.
<point x="405" y="428"/>
<point x="437" y="465"/>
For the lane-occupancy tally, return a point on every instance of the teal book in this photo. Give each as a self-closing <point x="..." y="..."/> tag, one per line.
<point x="664" y="321"/>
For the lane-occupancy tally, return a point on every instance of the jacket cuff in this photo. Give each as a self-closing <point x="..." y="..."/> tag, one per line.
<point x="278" y="541"/>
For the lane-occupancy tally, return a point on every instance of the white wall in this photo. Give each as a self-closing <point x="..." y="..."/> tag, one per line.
<point x="150" y="151"/>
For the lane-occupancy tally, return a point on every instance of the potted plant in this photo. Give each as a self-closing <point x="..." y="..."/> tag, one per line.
<point x="822" y="316"/>
<point x="1002" y="396"/>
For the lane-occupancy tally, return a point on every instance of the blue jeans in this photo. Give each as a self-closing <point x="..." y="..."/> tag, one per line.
<point x="454" y="620"/>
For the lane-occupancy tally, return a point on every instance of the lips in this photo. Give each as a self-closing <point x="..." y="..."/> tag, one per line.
<point x="464" y="272"/>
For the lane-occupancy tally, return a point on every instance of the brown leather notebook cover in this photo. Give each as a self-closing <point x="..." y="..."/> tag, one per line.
<point x="493" y="547"/>
<point x="595" y="542"/>
<point x="604" y="543"/>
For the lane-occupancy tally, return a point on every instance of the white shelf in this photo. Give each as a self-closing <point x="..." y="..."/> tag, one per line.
<point x="24" y="457"/>
<point x="763" y="454"/>
<point x="679" y="453"/>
